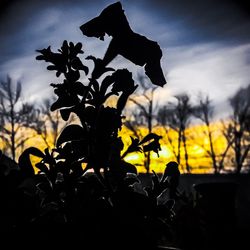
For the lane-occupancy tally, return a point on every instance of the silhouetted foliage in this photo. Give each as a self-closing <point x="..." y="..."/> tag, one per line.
<point x="83" y="191"/>
<point x="136" y="48"/>
<point x="96" y="142"/>
<point x="63" y="197"/>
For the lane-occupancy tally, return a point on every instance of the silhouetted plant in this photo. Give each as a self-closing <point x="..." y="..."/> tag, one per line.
<point x="97" y="136"/>
<point x="63" y="204"/>
<point x="133" y="46"/>
<point x="103" y="204"/>
<point x="61" y="185"/>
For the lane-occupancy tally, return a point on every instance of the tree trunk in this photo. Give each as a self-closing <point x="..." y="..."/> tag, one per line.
<point x="186" y="152"/>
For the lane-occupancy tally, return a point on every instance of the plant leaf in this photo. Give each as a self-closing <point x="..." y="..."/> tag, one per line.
<point x="149" y="137"/>
<point x="42" y="167"/>
<point x="72" y="132"/>
<point x="24" y="161"/>
<point x="128" y="167"/>
<point x="78" y="65"/>
<point x="65" y="113"/>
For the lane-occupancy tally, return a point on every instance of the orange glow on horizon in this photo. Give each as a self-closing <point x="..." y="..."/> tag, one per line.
<point x="197" y="145"/>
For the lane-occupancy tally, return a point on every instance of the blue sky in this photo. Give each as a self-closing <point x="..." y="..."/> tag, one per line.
<point x="206" y="44"/>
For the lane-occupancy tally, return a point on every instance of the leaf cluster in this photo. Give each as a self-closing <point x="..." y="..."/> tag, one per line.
<point x="64" y="191"/>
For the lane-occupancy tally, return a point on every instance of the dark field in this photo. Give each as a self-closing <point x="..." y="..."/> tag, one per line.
<point x="241" y="202"/>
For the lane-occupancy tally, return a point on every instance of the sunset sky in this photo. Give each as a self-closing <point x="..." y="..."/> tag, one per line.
<point x="206" y="44"/>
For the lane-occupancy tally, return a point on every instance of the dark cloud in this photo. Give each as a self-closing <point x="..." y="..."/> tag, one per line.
<point x="205" y="42"/>
<point x="186" y="22"/>
<point x="21" y="27"/>
<point x="194" y="20"/>
<point x="210" y="20"/>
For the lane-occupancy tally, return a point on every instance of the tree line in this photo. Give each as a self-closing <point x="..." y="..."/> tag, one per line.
<point x="177" y="118"/>
<point x="20" y="121"/>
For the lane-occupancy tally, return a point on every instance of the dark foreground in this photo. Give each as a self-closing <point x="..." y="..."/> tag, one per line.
<point x="237" y="237"/>
<point x="204" y="224"/>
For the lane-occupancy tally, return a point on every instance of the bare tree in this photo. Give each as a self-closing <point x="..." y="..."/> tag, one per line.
<point x="237" y="131"/>
<point x="205" y="112"/>
<point x="144" y="113"/>
<point x="16" y="116"/>
<point x="226" y="132"/>
<point x="163" y="117"/>
<point x="2" y="142"/>
<point x="177" y="117"/>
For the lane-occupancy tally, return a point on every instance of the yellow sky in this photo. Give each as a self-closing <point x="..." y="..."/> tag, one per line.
<point x="196" y="141"/>
<point x="197" y="146"/>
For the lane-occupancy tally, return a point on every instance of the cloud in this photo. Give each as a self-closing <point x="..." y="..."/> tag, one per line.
<point x="205" y="43"/>
<point x="212" y="68"/>
<point x="40" y="23"/>
<point x="208" y="20"/>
